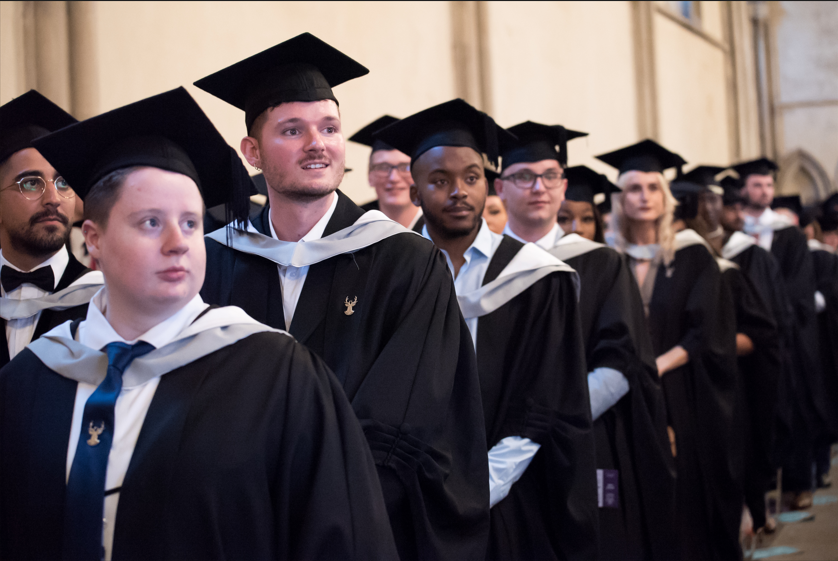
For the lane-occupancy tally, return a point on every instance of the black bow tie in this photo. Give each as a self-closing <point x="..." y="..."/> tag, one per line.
<point x="42" y="278"/>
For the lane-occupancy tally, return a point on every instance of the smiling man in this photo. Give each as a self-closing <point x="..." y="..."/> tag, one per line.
<point x="156" y="427"/>
<point x="370" y="297"/>
<point x="389" y="175"/>
<point x="521" y="309"/>
<point x="36" y="207"/>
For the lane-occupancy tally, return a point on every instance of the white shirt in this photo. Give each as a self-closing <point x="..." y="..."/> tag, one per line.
<point x="762" y="228"/>
<point x="292" y="279"/>
<point x="509" y="458"/>
<point x="19" y="332"/>
<point x="546" y="243"/>
<point x="133" y="402"/>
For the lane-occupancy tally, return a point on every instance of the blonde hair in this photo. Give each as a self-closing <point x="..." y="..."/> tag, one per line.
<point x="665" y="231"/>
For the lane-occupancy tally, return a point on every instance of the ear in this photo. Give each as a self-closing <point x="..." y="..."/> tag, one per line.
<point x="414" y="196"/>
<point x="499" y="189"/>
<point x="250" y="151"/>
<point x="92" y="233"/>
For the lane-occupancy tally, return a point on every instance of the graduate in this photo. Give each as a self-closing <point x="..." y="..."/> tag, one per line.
<point x="636" y="518"/>
<point x="156" y="427"/>
<point x="494" y="213"/>
<point x="389" y="175"/>
<point x="828" y="221"/>
<point x="692" y="328"/>
<point x="521" y="308"/>
<point x="758" y="352"/>
<point x="787" y="243"/>
<point x="373" y="299"/>
<point x="41" y="283"/>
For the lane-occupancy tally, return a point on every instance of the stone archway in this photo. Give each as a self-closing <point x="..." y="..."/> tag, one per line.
<point x="801" y="173"/>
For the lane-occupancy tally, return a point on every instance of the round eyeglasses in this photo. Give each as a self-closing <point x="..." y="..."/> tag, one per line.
<point x="33" y="187"/>
<point x="384" y="170"/>
<point x="526" y="179"/>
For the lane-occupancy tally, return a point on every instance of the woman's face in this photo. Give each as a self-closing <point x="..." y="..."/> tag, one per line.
<point x="643" y="196"/>
<point x="577" y="217"/>
<point x="495" y="214"/>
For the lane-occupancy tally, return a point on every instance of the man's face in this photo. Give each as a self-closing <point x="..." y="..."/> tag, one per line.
<point x="391" y="185"/>
<point x="451" y="188"/>
<point x="642" y="197"/>
<point x="536" y="206"/>
<point x="710" y="209"/>
<point x="733" y="217"/>
<point x="759" y="190"/>
<point x="40" y="227"/>
<point x="152" y="251"/>
<point x="300" y="148"/>
<point x="578" y="217"/>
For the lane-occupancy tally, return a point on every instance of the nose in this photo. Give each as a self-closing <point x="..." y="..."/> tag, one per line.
<point x="174" y="240"/>
<point x="315" y="142"/>
<point x="459" y="190"/>
<point x="538" y="185"/>
<point x="574" y="226"/>
<point x="50" y="197"/>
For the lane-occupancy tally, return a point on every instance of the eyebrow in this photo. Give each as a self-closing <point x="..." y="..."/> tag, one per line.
<point x="296" y="120"/>
<point x="29" y="172"/>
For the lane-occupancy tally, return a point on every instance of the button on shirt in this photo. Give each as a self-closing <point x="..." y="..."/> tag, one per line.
<point x="546" y="243"/>
<point x="19" y="332"/>
<point x="292" y="279"/>
<point x="133" y="402"/>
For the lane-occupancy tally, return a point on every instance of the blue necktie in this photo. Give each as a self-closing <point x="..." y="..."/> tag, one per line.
<point x="84" y="503"/>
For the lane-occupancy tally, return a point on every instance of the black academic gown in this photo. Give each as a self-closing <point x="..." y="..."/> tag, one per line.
<point x="762" y="270"/>
<point x="631" y="436"/>
<point x="51" y="318"/>
<point x="243" y="455"/>
<point x="759" y="376"/>
<point x="406" y="362"/>
<point x="531" y="361"/>
<point x="826" y="272"/>
<point x="373" y="205"/>
<point x="691" y="307"/>
<point x="809" y="410"/>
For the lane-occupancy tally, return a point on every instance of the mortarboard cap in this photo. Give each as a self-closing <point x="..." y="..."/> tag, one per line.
<point x="791" y="202"/>
<point x="453" y="123"/>
<point x="167" y="131"/>
<point x="303" y="68"/>
<point x="686" y="193"/>
<point x="829" y="213"/>
<point x="491" y="175"/>
<point x="27" y="117"/>
<point x="365" y="135"/>
<point x="706" y="177"/>
<point x="605" y="206"/>
<point x="647" y="155"/>
<point x="538" y="142"/>
<point x="583" y="184"/>
<point x="732" y="191"/>
<point x="762" y="166"/>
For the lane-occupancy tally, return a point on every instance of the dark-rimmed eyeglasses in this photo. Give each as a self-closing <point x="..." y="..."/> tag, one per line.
<point x="526" y="179"/>
<point x="384" y="170"/>
<point x="33" y="187"/>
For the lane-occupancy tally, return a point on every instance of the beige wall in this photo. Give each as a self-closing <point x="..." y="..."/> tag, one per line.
<point x="618" y="70"/>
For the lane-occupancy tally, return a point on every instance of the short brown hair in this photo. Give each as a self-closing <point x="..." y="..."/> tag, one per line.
<point x="104" y="194"/>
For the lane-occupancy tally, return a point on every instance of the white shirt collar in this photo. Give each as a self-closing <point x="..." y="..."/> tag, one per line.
<point x="548" y="242"/>
<point x="95" y="331"/>
<point x="317" y="230"/>
<point x="58" y="262"/>
<point x="485" y="244"/>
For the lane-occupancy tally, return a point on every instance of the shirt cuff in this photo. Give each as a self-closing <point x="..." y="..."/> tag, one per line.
<point x="606" y="387"/>
<point x="508" y="459"/>
<point x="820" y="302"/>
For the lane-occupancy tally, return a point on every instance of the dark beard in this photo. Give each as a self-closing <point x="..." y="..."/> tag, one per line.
<point x="41" y="245"/>
<point x="450" y="233"/>
<point x="277" y="182"/>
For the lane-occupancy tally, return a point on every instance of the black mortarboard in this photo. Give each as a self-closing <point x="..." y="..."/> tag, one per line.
<point x="647" y="155"/>
<point x="167" y="131"/>
<point x="762" y="166"/>
<point x="303" y="68"/>
<point x="453" y="123"/>
<point x="829" y="213"/>
<point x="605" y="206"/>
<point x="686" y="193"/>
<point x="583" y="184"/>
<point x="491" y="175"/>
<point x="365" y="135"/>
<point x="791" y="202"/>
<point x="27" y="117"/>
<point x="732" y="191"/>
<point x="538" y="142"/>
<point x="705" y="176"/>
